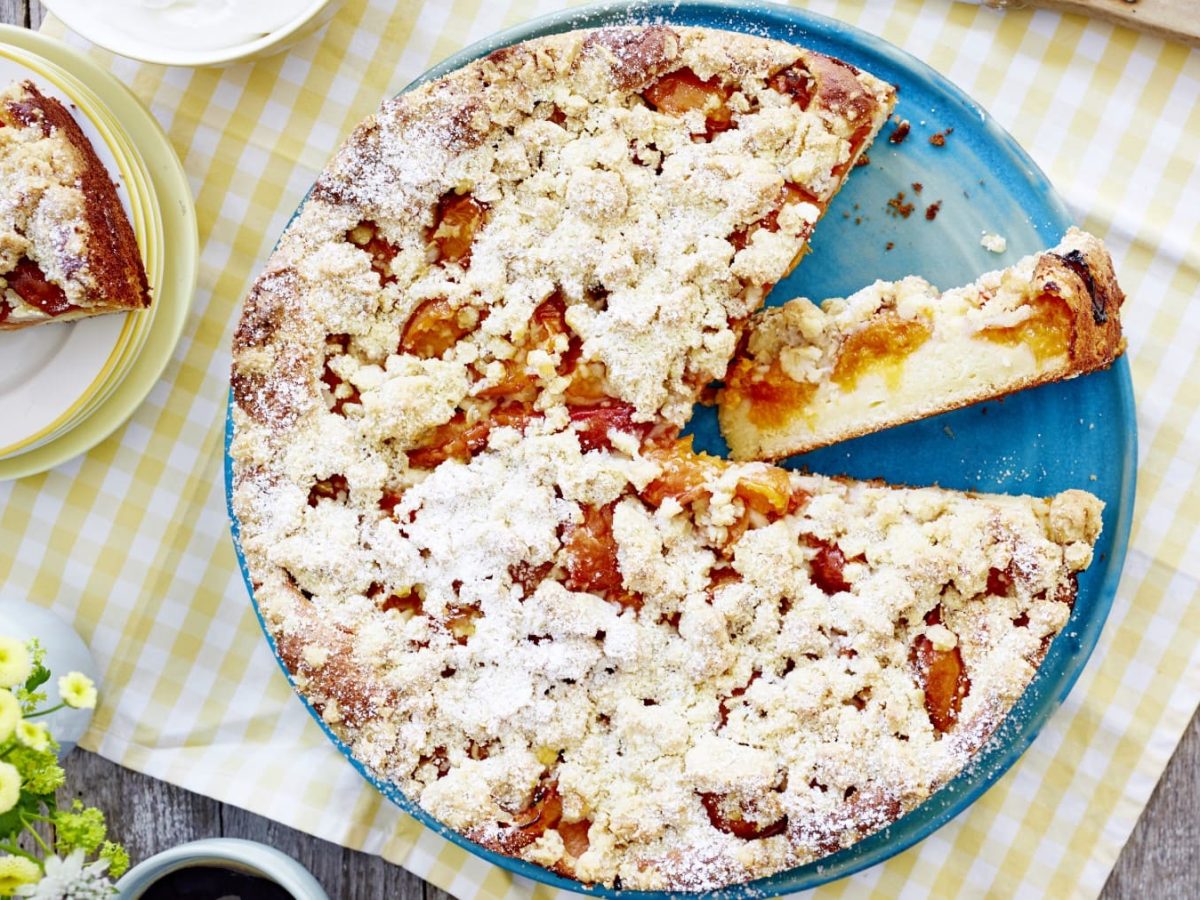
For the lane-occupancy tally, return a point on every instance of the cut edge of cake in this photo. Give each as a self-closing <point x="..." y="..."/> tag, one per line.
<point x="895" y="352"/>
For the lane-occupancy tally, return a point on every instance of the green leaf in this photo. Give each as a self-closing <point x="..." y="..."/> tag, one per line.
<point x="39" y="676"/>
<point x="29" y="804"/>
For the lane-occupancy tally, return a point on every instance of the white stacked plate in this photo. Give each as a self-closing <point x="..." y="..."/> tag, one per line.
<point x="66" y="386"/>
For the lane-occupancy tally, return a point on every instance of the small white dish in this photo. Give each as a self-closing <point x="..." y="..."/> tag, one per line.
<point x="65" y="652"/>
<point x="231" y="853"/>
<point x="181" y="32"/>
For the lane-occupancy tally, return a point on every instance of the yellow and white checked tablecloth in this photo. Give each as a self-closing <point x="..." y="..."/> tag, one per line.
<point x="131" y="541"/>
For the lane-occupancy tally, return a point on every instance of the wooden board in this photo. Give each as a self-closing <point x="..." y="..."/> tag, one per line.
<point x="1173" y="19"/>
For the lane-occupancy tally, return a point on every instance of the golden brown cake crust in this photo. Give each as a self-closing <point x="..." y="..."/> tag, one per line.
<point x="64" y="226"/>
<point x="482" y="553"/>
<point x="1078" y="272"/>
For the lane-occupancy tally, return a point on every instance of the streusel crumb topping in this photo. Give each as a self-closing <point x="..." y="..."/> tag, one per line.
<point x="486" y="557"/>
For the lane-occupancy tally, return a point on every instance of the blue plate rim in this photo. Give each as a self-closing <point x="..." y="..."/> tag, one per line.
<point x="1043" y="695"/>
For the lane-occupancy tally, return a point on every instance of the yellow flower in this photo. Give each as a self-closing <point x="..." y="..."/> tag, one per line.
<point x="16" y="871"/>
<point x="77" y="690"/>
<point x="15" y="664"/>
<point x="10" y="714"/>
<point x="10" y="786"/>
<point x="33" y="735"/>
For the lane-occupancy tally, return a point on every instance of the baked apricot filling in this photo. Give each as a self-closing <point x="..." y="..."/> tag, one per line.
<point x="796" y="82"/>
<point x="683" y="91"/>
<point x="461" y="622"/>
<point x="29" y="283"/>
<point x="335" y="487"/>
<point x="365" y="235"/>
<point x="594" y="424"/>
<point x="545" y="814"/>
<point x="772" y="398"/>
<point x="459" y="439"/>
<point x="435" y="327"/>
<point x="684" y="475"/>
<point x="546" y="326"/>
<point x="575" y="837"/>
<point x="733" y="817"/>
<point x="791" y="195"/>
<point x="590" y="554"/>
<point x="1000" y="582"/>
<point x="1049" y="332"/>
<point x="942" y="677"/>
<point x="341" y="392"/>
<point x="727" y="703"/>
<point x="882" y="345"/>
<point x="406" y="605"/>
<point x="687" y="477"/>
<point x="827" y="566"/>
<point x="457" y="220"/>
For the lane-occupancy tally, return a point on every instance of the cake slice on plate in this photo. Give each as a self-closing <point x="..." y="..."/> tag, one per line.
<point x="893" y="352"/>
<point x="67" y="249"/>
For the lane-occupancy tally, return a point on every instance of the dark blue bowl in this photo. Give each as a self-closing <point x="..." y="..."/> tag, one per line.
<point x="1078" y="434"/>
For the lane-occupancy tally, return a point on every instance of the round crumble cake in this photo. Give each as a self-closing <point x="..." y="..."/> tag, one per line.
<point x="478" y="542"/>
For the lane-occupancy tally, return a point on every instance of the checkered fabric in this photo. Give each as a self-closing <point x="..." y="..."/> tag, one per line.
<point x="132" y="542"/>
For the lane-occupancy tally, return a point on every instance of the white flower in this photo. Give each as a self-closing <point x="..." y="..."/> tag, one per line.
<point x="10" y="714"/>
<point x="34" y="735"/>
<point x="15" y="664"/>
<point x="70" y="879"/>
<point x="77" y="690"/>
<point x="10" y="786"/>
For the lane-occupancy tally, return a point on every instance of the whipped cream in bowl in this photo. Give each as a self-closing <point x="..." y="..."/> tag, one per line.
<point x="194" y="32"/>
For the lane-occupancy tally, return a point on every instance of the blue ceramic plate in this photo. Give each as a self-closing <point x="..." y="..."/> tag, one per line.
<point x="1080" y="434"/>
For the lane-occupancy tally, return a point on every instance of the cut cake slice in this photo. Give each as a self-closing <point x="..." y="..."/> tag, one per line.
<point x="895" y="352"/>
<point x="67" y="249"/>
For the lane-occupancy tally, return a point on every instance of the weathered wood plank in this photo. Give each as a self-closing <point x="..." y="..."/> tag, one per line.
<point x="1162" y="857"/>
<point x="13" y="12"/>
<point x="145" y="814"/>
<point x="343" y="873"/>
<point x="37" y="12"/>
<point x="150" y="816"/>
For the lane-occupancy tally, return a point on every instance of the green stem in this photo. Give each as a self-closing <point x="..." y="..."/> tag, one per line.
<point x="45" y="712"/>
<point x="37" y="837"/>
<point x="17" y="851"/>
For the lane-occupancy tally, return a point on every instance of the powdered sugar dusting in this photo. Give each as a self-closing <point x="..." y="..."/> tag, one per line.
<point x="482" y="554"/>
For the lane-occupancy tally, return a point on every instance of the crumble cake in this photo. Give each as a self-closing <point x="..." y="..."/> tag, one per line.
<point x="67" y="249"/>
<point x="480" y="547"/>
<point x="894" y="352"/>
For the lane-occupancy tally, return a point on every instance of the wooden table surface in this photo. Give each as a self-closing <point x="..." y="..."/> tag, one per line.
<point x="1161" y="860"/>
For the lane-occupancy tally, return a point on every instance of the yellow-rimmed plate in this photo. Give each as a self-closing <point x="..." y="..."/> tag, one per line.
<point x="147" y="227"/>
<point x="51" y="373"/>
<point x="179" y="268"/>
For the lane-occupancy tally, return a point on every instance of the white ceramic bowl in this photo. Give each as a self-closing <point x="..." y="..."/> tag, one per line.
<point x="111" y="37"/>
<point x="233" y="853"/>
<point x="65" y="652"/>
